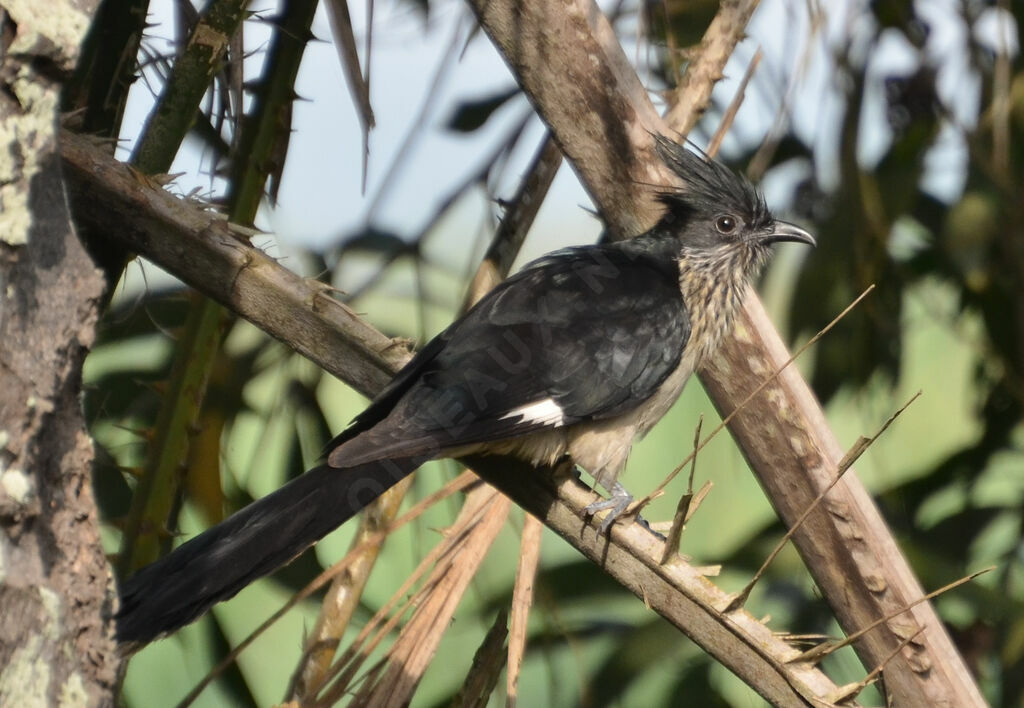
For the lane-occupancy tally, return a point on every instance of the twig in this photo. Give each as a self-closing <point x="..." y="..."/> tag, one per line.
<point x="845" y="464"/>
<point x="816" y="653"/>
<point x="418" y="123"/>
<point x="516" y="223"/>
<point x="734" y="106"/>
<point x="343" y="672"/>
<point x="688" y="503"/>
<point x="694" y="91"/>
<point x="848" y="692"/>
<point x="461" y="482"/>
<point x="813" y="340"/>
<point x="522" y="599"/>
<point x="487" y="664"/>
<point x="459" y="555"/>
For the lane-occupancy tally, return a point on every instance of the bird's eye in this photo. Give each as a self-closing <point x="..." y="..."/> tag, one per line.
<point x="725" y="224"/>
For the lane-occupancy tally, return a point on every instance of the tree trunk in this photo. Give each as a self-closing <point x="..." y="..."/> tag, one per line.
<point x="56" y="591"/>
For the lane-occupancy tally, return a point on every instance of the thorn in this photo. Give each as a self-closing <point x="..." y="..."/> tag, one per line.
<point x="246" y="231"/>
<point x="804" y="639"/>
<point x="708" y="571"/>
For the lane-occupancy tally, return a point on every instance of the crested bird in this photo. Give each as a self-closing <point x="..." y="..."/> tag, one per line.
<point x="578" y="354"/>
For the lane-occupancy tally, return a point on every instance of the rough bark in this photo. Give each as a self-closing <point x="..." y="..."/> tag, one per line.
<point x="55" y="585"/>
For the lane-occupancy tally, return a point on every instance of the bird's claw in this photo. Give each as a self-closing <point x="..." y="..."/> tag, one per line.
<point x="617" y="503"/>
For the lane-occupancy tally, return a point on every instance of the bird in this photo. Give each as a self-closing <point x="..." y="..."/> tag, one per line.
<point x="576" y="355"/>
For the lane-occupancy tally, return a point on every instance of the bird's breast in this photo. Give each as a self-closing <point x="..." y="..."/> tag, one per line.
<point x="712" y="288"/>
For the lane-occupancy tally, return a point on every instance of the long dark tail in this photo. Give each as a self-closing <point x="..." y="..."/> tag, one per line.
<point x="258" y="540"/>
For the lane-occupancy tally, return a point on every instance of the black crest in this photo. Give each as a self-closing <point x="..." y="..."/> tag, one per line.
<point x="710" y="186"/>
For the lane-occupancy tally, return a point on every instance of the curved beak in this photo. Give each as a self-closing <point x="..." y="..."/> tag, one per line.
<point x="784" y="231"/>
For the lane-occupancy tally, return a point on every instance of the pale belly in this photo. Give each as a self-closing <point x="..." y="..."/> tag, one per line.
<point x="599" y="447"/>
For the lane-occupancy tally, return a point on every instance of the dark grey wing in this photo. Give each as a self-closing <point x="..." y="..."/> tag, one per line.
<point x="584" y="334"/>
<point x="383" y="403"/>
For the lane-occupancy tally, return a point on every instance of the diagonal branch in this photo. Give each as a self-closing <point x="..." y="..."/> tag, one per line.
<point x="207" y="252"/>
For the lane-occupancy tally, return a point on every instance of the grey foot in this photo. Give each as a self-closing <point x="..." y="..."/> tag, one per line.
<point x="617" y="502"/>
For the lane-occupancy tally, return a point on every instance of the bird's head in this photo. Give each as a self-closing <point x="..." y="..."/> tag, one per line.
<point x="719" y="216"/>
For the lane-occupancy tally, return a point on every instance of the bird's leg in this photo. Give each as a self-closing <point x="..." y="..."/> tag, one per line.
<point x="617" y="502"/>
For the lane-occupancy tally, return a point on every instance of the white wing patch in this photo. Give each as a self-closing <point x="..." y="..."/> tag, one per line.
<point x="545" y="412"/>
